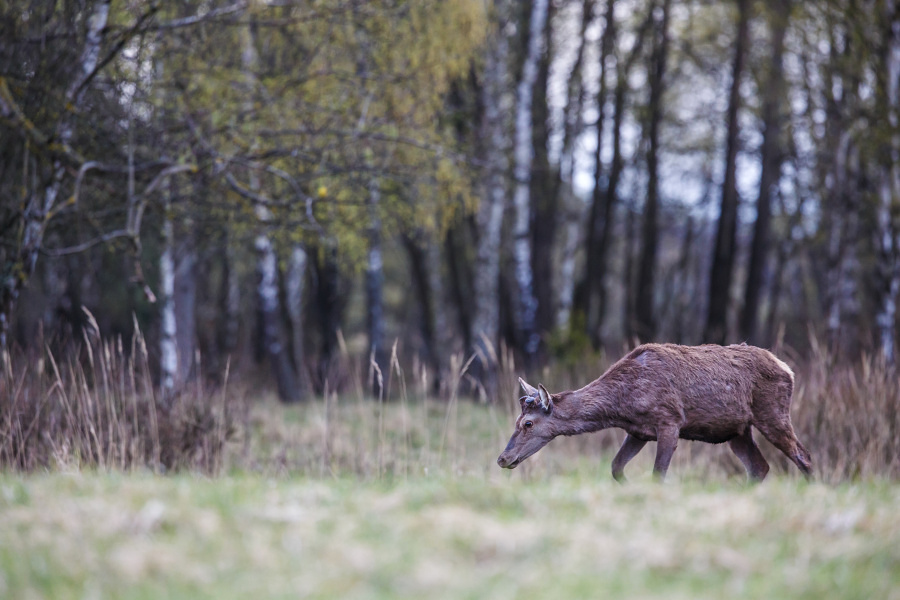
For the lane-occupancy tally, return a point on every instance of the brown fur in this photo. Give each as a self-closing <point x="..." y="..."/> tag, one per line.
<point x="663" y="392"/>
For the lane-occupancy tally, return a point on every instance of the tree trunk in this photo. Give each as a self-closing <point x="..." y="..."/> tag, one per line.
<point x="544" y="199"/>
<point x="725" y="246"/>
<point x="168" y="342"/>
<point x="771" y="156"/>
<point x="486" y="318"/>
<point x="888" y="247"/>
<point x="459" y="265"/>
<point x="39" y="206"/>
<point x="523" y="152"/>
<point x="600" y="224"/>
<point x="269" y="306"/>
<point x="601" y="209"/>
<point x="231" y="299"/>
<point x="843" y="226"/>
<point x="375" y="288"/>
<point x="572" y="213"/>
<point x="328" y="308"/>
<point x="270" y="313"/>
<point x="425" y="264"/>
<point x="185" y="302"/>
<point x="682" y="292"/>
<point x="650" y="232"/>
<point x="294" y="287"/>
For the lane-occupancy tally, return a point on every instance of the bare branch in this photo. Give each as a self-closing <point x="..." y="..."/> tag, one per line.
<point x="194" y="19"/>
<point x="69" y="250"/>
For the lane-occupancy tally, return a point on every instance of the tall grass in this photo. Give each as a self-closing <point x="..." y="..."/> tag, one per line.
<point x="848" y="415"/>
<point x="99" y="409"/>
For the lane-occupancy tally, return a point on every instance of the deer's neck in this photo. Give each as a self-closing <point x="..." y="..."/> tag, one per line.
<point x="591" y="408"/>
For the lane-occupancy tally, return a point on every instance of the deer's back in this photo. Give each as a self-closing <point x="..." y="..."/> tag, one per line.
<point x="710" y="391"/>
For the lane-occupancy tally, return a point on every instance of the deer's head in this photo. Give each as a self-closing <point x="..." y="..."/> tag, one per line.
<point x="534" y="426"/>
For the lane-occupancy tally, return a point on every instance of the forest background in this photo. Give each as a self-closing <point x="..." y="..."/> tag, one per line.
<point x="286" y="188"/>
<point x="294" y="254"/>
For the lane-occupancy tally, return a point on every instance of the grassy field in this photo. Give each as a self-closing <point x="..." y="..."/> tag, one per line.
<point x="354" y="499"/>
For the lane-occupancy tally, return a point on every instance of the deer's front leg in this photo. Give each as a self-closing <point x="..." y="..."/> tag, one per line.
<point x="630" y="447"/>
<point x="666" y="441"/>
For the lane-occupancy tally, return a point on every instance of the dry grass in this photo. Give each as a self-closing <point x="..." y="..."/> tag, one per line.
<point x="400" y="497"/>
<point x="98" y="408"/>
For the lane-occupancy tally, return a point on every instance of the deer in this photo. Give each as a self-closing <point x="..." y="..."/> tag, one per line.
<point x="667" y="392"/>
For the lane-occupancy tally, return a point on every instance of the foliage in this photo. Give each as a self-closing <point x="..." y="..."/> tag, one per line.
<point x="343" y="95"/>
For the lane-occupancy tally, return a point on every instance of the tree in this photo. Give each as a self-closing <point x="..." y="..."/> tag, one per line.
<point x="41" y="202"/>
<point x="572" y="212"/>
<point x="544" y="194"/>
<point x="495" y="145"/>
<point x="771" y="156"/>
<point x="599" y="222"/>
<point x="523" y="150"/>
<point x="726" y="233"/>
<point x="888" y="174"/>
<point x="645" y="327"/>
<point x="269" y="303"/>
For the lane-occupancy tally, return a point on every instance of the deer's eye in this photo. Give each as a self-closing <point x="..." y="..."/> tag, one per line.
<point x="529" y="424"/>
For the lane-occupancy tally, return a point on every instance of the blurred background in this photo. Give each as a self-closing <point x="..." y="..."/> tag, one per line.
<point x="270" y="185"/>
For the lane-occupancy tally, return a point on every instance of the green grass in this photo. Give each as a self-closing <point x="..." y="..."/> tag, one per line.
<point x="359" y="500"/>
<point x="68" y="535"/>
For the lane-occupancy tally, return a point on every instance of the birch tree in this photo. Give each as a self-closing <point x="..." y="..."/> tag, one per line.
<point x="267" y="261"/>
<point x="168" y="343"/>
<point x="523" y="152"/>
<point x="888" y="211"/>
<point x="39" y="205"/>
<point x="375" y="288"/>
<point x="486" y="321"/>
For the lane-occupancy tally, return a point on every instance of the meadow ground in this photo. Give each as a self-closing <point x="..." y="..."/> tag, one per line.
<point x="356" y="499"/>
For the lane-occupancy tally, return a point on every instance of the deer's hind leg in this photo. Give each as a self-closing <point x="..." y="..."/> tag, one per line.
<point x="748" y="452"/>
<point x="630" y="448"/>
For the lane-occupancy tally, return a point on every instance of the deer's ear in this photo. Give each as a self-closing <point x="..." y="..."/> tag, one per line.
<point x="528" y="389"/>
<point x="546" y="400"/>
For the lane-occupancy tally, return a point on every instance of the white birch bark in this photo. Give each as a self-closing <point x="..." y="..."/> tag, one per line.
<point x="168" y="346"/>
<point x="486" y="320"/>
<point x="38" y="207"/>
<point x="266" y="259"/>
<point x="375" y="283"/>
<point x="889" y="197"/>
<point x="523" y="152"/>
<point x="889" y="267"/>
<point x="267" y="289"/>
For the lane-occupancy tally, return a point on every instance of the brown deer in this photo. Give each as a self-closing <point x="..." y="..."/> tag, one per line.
<point x="664" y="392"/>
